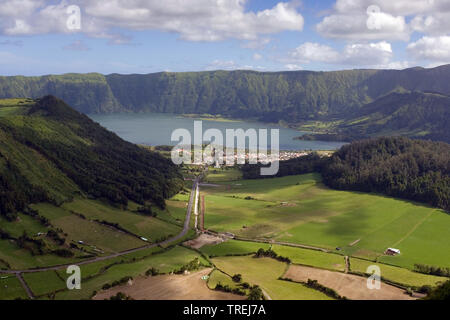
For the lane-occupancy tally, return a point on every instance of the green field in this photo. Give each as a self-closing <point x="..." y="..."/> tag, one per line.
<point x="217" y="277"/>
<point x="233" y="247"/>
<point x="19" y="259"/>
<point x="11" y="288"/>
<point x="299" y="209"/>
<point x="265" y="273"/>
<point x="165" y="262"/>
<point x="396" y="274"/>
<point x="216" y="175"/>
<point x="311" y="258"/>
<point x="23" y="224"/>
<point x="148" y="227"/>
<point x="44" y="282"/>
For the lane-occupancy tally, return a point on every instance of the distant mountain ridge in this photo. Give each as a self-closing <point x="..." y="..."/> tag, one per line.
<point x="296" y="97"/>
<point x="290" y="96"/>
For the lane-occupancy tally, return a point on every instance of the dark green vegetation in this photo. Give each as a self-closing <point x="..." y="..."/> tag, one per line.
<point x="293" y="97"/>
<point x="399" y="167"/>
<point x="415" y="114"/>
<point x="54" y="153"/>
<point x="442" y="292"/>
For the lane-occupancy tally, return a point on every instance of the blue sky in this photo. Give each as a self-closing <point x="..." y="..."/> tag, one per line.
<point x="144" y="36"/>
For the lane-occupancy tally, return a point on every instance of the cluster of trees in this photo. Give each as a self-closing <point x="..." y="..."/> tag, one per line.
<point x="314" y="284"/>
<point x="307" y="164"/>
<point x="399" y="167"/>
<point x="191" y="266"/>
<point x="227" y="288"/>
<point x="99" y="162"/>
<point x="441" y="292"/>
<point x="437" y="271"/>
<point x="269" y="253"/>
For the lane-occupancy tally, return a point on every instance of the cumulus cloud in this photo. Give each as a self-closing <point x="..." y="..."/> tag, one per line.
<point x="385" y="19"/>
<point x="436" y="49"/>
<point x="374" y="55"/>
<point x="193" y="20"/>
<point x="366" y="20"/>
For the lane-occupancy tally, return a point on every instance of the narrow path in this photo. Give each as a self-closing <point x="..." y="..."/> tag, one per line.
<point x="265" y="294"/>
<point x="185" y="230"/>
<point x="25" y="285"/>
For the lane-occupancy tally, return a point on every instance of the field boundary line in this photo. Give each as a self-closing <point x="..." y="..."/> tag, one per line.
<point x="413" y="229"/>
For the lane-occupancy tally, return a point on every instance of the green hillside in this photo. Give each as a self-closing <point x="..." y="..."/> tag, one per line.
<point x="290" y="96"/>
<point x="50" y="152"/>
<point x="413" y="114"/>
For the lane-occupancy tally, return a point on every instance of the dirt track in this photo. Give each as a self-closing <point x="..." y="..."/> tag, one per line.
<point x="347" y="285"/>
<point x="170" y="287"/>
<point x="203" y="240"/>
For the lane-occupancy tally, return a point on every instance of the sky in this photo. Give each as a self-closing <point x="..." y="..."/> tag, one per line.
<point x="40" y="37"/>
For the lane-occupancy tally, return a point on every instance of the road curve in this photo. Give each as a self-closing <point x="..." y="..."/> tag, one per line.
<point x="119" y="254"/>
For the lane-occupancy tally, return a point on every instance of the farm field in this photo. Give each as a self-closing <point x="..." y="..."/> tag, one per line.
<point x="19" y="259"/>
<point x="233" y="247"/>
<point x="103" y="238"/>
<point x="311" y="257"/>
<point x="148" y="227"/>
<point x="170" y="287"/>
<point x="165" y="262"/>
<point x="265" y="273"/>
<point x="346" y="285"/>
<point x="11" y="288"/>
<point x="299" y="209"/>
<point x="396" y="274"/>
<point x="216" y="175"/>
<point x="44" y="282"/>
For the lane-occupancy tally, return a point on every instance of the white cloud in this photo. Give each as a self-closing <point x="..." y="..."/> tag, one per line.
<point x="257" y="56"/>
<point x="374" y="55"/>
<point x="354" y="20"/>
<point x="436" y="49"/>
<point x="230" y="65"/>
<point x="308" y="52"/>
<point x="365" y="20"/>
<point x="293" y="67"/>
<point x="193" y="20"/>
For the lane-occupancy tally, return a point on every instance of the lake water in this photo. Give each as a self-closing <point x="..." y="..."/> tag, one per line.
<point x="156" y="129"/>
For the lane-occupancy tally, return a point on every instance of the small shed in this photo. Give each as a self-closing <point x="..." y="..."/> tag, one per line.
<point x="392" y="251"/>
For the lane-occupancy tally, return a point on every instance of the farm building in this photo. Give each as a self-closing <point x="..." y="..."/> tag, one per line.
<point x="392" y="251"/>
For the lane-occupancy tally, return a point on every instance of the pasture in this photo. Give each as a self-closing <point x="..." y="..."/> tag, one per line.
<point x="165" y="262"/>
<point x="233" y="247"/>
<point x="11" y="288"/>
<point x="151" y="228"/>
<point x="265" y="273"/>
<point x="300" y="209"/>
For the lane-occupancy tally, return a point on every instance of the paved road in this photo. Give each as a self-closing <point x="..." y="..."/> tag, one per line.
<point x="119" y="254"/>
